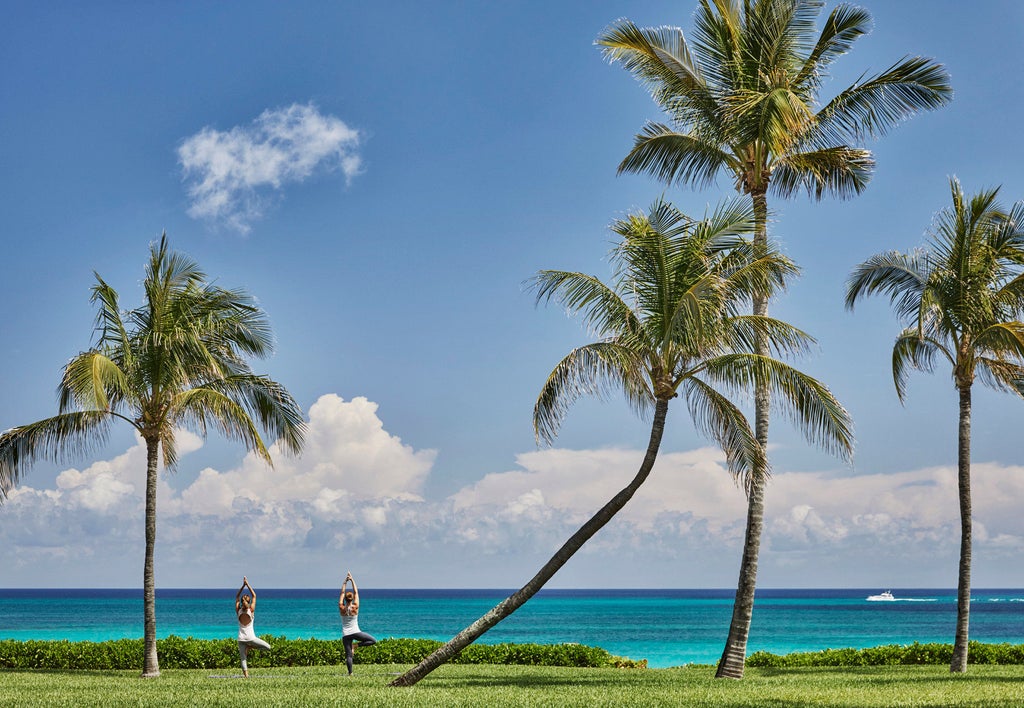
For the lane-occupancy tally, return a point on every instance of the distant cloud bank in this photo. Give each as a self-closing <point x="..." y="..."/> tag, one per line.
<point x="355" y="501"/>
<point x="229" y="173"/>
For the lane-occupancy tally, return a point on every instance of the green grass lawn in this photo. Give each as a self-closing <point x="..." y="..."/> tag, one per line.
<point x="982" y="686"/>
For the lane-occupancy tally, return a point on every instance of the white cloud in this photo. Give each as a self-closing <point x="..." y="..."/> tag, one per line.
<point x="355" y="498"/>
<point x="228" y="173"/>
<point x="348" y="458"/>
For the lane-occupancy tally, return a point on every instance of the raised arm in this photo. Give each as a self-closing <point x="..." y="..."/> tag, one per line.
<point x="251" y="591"/>
<point x="352" y="606"/>
<point x="355" y="591"/>
<point x="238" y="596"/>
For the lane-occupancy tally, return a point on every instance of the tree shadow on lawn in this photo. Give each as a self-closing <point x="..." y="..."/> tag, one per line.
<point x="525" y="681"/>
<point x="886" y="677"/>
<point x="73" y="672"/>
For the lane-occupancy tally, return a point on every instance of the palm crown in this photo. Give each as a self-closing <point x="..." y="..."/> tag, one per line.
<point x="176" y="361"/>
<point x="961" y="300"/>
<point x="672" y="324"/>
<point x="743" y="97"/>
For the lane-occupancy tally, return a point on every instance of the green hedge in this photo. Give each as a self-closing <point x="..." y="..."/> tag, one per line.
<point x="188" y="653"/>
<point x="892" y="655"/>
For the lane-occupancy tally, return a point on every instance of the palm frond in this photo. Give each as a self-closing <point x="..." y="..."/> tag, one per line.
<point x="751" y="270"/>
<point x="56" y="438"/>
<point x="110" y="327"/>
<point x="844" y="26"/>
<point x="660" y="60"/>
<point x="716" y="417"/>
<point x="876" y="104"/>
<point x="202" y="407"/>
<point x="840" y="171"/>
<point x="807" y="402"/>
<point x="902" y="277"/>
<point x="673" y="157"/>
<point x="1001" y="375"/>
<point x="269" y="403"/>
<point x="744" y="333"/>
<point x="914" y="351"/>
<point x="603" y="310"/>
<point x="92" y="381"/>
<point x="1004" y="339"/>
<point x="597" y="370"/>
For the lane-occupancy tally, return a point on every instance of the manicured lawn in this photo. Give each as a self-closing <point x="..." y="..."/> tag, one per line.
<point x="982" y="686"/>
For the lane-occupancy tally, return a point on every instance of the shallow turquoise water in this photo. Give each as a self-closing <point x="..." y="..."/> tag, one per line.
<point x="666" y="627"/>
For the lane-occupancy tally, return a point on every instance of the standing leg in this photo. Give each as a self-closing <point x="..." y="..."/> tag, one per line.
<point x="347" y="641"/>
<point x="243" y="654"/>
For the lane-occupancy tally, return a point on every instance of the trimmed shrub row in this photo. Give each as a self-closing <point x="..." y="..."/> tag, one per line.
<point x="188" y="653"/>
<point x="892" y="655"/>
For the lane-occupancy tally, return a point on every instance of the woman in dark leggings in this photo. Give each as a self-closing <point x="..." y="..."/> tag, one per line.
<point x="348" y="606"/>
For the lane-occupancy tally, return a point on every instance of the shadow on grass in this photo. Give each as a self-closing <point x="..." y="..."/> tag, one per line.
<point x="883" y="675"/>
<point x="127" y="673"/>
<point x="522" y="681"/>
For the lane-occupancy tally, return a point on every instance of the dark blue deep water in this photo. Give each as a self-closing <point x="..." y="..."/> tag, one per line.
<point x="666" y="627"/>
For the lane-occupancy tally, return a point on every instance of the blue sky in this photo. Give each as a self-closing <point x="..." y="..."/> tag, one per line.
<point x="383" y="177"/>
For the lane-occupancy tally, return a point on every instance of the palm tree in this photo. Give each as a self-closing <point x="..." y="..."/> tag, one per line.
<point x="179" y="360"/>
<point x="962" y="300"/>
<point x="670" y="325"/>
<point x="743" y="100"/>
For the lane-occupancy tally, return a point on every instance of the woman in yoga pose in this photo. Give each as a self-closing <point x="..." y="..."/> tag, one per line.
<point x="348" y="606"/>
<point x="245" y="609"/>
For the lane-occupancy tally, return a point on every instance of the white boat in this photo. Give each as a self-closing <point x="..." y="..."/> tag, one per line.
<point x="887" y="595"/>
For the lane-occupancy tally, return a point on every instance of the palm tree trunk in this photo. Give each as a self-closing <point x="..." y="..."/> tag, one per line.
<point x="151" y="667"/>
<point x="735" y="653"/>
<point x="963" y="590"/>
<point x="514" y="601"/>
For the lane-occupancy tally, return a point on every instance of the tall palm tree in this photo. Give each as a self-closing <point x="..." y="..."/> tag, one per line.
<point x="669" y="325"/>
<point x="179" y="360"/>
<point x="743" y="99"/>
<point x="962" y="300"/>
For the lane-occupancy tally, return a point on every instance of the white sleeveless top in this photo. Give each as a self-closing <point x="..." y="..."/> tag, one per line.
<point x="247" y="632"/>
<point x="349" y="624"/>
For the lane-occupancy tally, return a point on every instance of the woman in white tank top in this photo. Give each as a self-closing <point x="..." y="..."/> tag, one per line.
<point x="348" y="606"/>
<point x="245" y="610"/>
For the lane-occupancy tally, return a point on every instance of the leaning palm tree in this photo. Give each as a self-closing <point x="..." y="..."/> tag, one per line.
<point x="670" y="325"/>
<point x="963" y="301"/>
<point x="742" y="97"/>
<point x="179" y="360"/>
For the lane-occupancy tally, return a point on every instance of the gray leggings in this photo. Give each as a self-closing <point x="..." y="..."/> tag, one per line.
<point x="245" y="645"/>
<point x="364" y="640"/>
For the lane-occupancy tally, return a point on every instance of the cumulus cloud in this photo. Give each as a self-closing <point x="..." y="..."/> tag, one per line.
<point x="229" y="173"/>
<point x="355" y="499"/>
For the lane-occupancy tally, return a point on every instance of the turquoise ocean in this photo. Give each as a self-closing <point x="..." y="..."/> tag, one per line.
<point x="666" y="627"/>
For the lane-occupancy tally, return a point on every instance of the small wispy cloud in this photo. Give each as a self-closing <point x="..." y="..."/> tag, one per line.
<point x="228" y="174"/>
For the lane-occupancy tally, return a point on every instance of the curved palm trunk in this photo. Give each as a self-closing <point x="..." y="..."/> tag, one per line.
<point x="963" y="590"/>
<point x="151" y="667"/>
<point x="514" y="601"/>
<point x="735" y="653"/>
